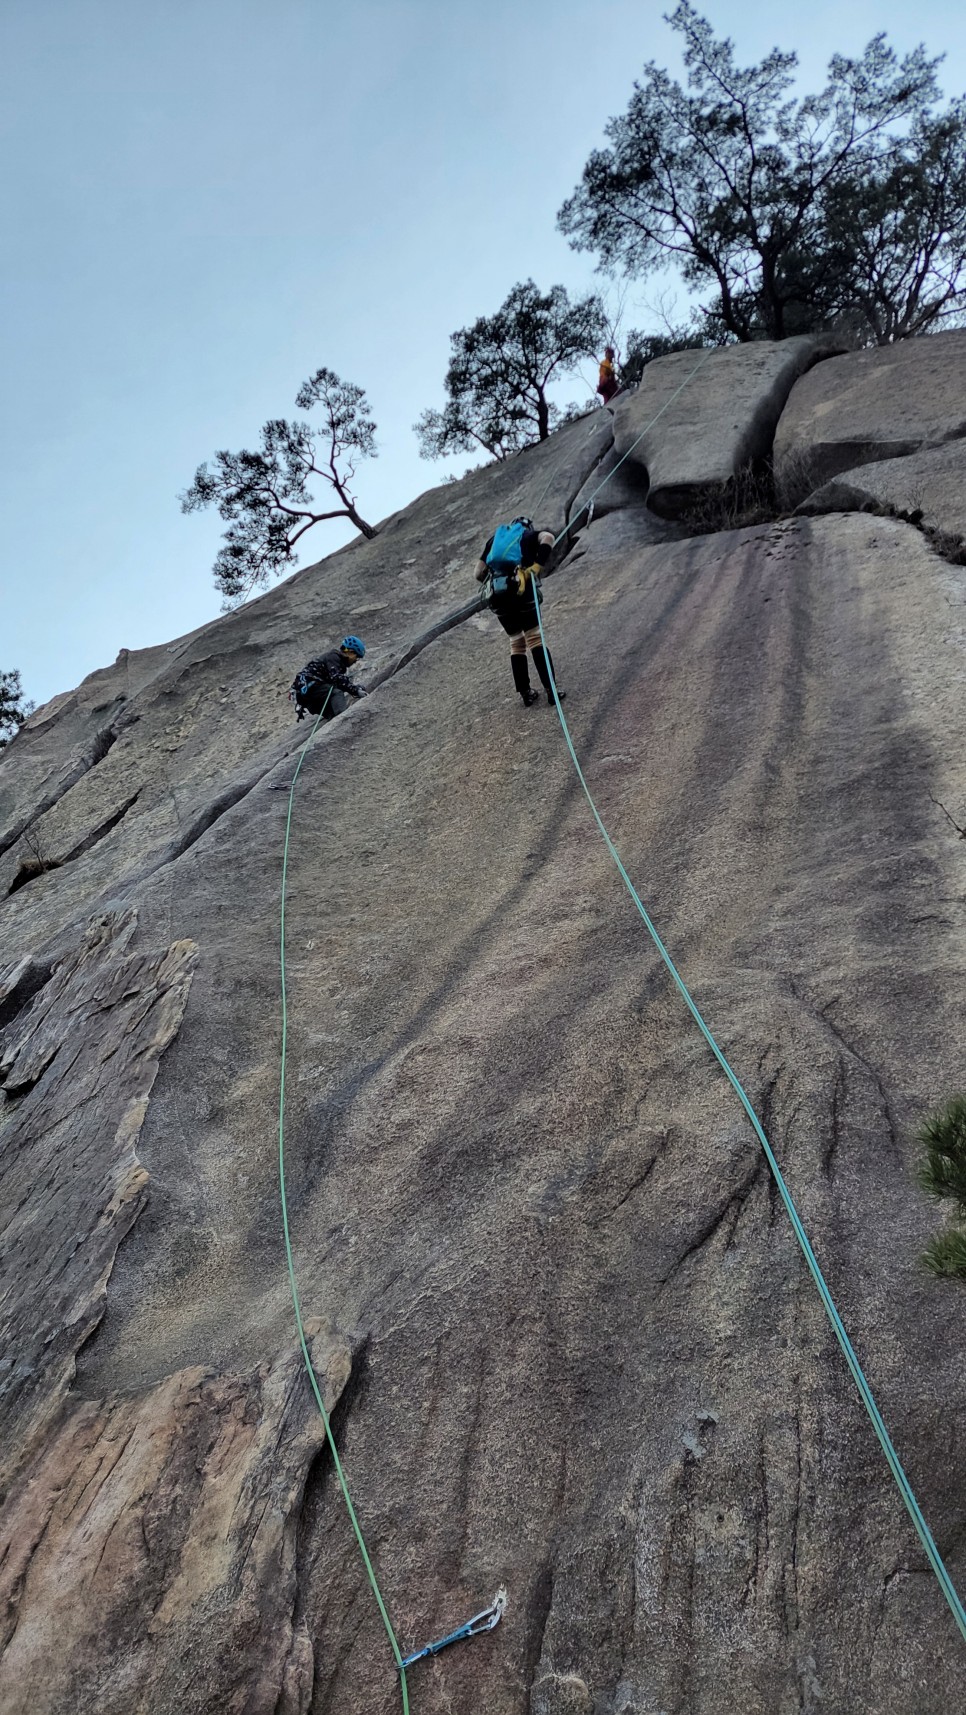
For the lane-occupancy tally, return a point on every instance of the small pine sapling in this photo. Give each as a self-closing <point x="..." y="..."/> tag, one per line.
<point x="945" y="1255"/>
<point x="942" y="1175"/>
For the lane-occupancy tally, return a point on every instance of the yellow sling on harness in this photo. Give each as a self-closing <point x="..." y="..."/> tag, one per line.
<point x="523" y="574"/>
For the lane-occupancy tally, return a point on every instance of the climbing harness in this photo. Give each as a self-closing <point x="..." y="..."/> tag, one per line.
<point x="483" y="1622"/>
<point x="500" y="586"/>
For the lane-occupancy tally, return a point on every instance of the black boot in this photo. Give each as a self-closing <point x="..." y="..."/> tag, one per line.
<point x="521" y="679"/>
<point x="543" y="661"/>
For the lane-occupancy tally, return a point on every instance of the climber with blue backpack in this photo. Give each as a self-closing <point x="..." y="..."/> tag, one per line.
<point x="510" y="567"/>
<point x="314" y="688"/>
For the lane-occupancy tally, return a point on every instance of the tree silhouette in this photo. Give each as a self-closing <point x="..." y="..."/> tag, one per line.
<point x="847" y="205"/>
<point x="500" y="370"/>
<point x="13" y="709"/>
<point x="265" y="496"/>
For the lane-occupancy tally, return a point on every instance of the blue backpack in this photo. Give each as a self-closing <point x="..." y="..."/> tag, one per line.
<point x="506" y="552"/>
<point x="504" y="561"/>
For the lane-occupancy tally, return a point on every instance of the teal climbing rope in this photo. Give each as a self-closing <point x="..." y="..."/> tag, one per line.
<point x="288" y="1251"/>
<point x="838" y="1327"/>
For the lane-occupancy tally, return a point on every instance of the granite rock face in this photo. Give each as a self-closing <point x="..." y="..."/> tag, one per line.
<point x="115" y="780"/>
<point x="557" y="1311"/>
<point x="928" y="489"/>
<point x="706" y="415"/>
<point x="77" y="1064"/>
<point x="880" y="404"/>
<point x="177" y="1510"/>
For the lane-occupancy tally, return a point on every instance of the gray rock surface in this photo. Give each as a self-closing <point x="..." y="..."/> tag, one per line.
<point x="722" y="418"/>
<point x="618" y="485"/>
<point x="928" y="489"/>
<point x="117" y="781"/>
<point x="570" y="1343"/>
<point x="77" y="1064"/>
<point x="869" y="405"/>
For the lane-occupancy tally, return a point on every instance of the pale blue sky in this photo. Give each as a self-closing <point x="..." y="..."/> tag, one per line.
<point x="204" y="200"/>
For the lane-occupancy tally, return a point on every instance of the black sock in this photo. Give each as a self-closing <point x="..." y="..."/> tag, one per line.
<point x="521" y="674"/>
<point x="543" y="661"/>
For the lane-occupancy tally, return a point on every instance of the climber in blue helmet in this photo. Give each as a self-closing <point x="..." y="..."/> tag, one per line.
<point x="314" y="688"/>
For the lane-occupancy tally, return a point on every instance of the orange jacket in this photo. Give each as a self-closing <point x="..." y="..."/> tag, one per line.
<point x="607" y="384"/>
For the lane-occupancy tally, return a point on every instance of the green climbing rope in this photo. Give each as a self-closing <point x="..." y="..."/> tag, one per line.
<point x="288" y="1251"/>
<point x="313" y="1379"/>
<point x="838" y="1327"/>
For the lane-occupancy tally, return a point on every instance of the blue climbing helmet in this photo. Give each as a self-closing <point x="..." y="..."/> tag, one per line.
<point x="355" y="644"/>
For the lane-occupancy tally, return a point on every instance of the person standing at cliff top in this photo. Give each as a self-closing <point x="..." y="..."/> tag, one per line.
<point x="607" y="384"/>
<point x="511" y="560"/>
<point x="312" y="688"/>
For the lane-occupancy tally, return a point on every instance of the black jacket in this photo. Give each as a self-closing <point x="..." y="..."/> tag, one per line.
<point x="330" y="669"/>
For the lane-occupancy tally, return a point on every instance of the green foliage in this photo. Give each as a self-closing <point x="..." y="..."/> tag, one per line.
<point x="642" y="348"/>
<point x="942" y="1173"/>
<point x="849" y="205"/>
<point x="946" y="1255"/>
<point x="13" y="708"/>
<point x="894" y="231"/>
<point x="500" y="369"/>
<point x="265" y="496"/>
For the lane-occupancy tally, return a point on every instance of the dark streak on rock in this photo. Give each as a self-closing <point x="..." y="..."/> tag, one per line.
<point x="31" y="869"/>
<point x="24" y="982"/>
<point x="716" y="1219"/>
<point x="541" y="1602"/>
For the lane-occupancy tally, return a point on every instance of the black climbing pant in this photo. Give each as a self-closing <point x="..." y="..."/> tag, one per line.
<point x="321" y="698"/>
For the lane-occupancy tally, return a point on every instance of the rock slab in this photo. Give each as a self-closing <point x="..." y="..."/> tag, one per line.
<point x="570" y="1342"/>
<point x="884" y="403"/>
<point x="77" y="1065"/>
<point x="699" y="417"/>
<point x="928" y="489"/>
<point x="174" y="1517"/>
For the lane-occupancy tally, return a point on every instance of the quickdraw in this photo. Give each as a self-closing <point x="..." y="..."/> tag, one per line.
<point x="483" y="1622"/>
